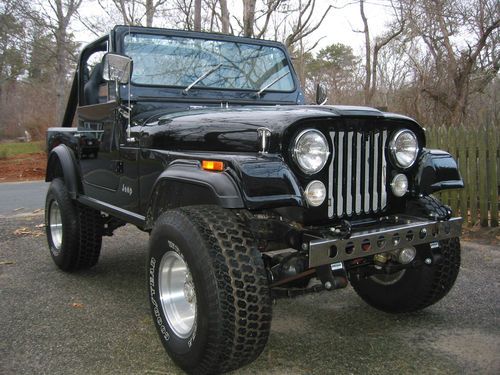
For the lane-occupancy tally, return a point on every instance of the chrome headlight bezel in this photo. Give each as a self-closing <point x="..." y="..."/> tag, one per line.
<point x="315" y="193"/>
<point x="299" y="158"/>
<point x="394" y="152"/>
<point x="398" y="181"/>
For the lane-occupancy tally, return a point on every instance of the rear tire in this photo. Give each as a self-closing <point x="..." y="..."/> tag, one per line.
<point x="222" y="278"/>
<point x="413" y="288"/>
<point x="74" y="232"/>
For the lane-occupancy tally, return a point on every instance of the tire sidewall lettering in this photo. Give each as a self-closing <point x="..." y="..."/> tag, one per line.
<point x="220" y="341"/>
<point x="170" y="339"/>
<point x="152" y="293"/>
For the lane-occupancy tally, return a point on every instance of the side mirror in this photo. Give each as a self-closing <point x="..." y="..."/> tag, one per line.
<point x="321" y="94"/>
<point x="116" y="68"/>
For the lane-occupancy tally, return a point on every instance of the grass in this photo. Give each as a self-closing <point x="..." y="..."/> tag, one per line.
<point x="8" y="149"/>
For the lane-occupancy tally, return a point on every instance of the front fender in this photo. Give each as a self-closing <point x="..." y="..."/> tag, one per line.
<point x="267" y="182"/>
<point x="184" y="183"/>
<point x="437" y="170"/>
<point x="251" y="183"/>
<point x="62" y="163"/>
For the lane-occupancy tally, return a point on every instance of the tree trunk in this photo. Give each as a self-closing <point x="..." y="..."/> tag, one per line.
<point x="61" y="71"/>
<point x="150" y="13"/>
<point x="248" y="17"/>
<point x="224" y="16"/>
<point x="62" y="42"/>
<point x="368" y="55"/>
<point x="197" y="15"/>
<point x="459" y="106"/>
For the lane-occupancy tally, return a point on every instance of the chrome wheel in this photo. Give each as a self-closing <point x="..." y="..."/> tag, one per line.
<point x="388" y="279"/>
<point x="55" y="224"/>
<point x="177" y="294"/>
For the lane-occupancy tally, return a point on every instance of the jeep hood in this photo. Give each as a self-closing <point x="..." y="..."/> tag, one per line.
<point x="235" y="129"/>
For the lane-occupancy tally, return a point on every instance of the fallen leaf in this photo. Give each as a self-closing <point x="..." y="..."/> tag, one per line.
<point x="18" y="209"/>
<point x="77" y="305"/>
<point x="37" y="210"/>
<point x="28" y="232"/>
<point x="39" y="225"/>
<point x="22" y="231"/>
<point x="6" y="262"/>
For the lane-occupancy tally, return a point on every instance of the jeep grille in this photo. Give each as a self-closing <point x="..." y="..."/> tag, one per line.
<point x="357" y="173"/>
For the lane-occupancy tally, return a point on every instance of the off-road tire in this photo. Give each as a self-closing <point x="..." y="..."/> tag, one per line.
<point x="233" y="303"/>
<point x="418" y="287"/>
<point x="81" y="230"/>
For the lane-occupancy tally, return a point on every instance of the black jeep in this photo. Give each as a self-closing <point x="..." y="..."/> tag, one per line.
<point x="205" y="141"/>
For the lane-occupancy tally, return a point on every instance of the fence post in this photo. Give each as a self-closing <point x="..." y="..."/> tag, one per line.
<point x="452" y="149"/>
<point x="493" y="173"/>
<point x="483" y="177"/>
<point x="442" y="137"/>
<point x="472" y="167"/>
<point x="462" y="164"/>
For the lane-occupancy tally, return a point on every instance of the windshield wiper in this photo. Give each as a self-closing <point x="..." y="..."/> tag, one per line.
<point x="270" y="84"/>
<point x="205" y="75"/>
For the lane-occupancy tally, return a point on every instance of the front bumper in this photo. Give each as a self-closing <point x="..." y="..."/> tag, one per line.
<point x="406" y="231"/>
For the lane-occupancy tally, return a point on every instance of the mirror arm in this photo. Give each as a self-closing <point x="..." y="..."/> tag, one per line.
<point x="129" y="138"/>
<point x="117" y="90"/>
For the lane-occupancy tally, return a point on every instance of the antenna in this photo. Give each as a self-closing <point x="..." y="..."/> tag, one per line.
<point x="129" y="108"/>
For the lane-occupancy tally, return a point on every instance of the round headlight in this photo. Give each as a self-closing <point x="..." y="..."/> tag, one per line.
<point x="404" y="148"/>
<point x="315" y="193"/>
<point x="310" y="151"/>
<point x="399" y="185"/>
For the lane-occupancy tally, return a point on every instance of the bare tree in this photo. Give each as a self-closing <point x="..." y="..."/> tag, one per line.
<point x="452" y="69"/>
<point x="181" y="14"/>
<point x="128" y="10"/>
<point x="56" y="18"/>
<point x="134" y="12"/>
<point x="151" y="8"/>
<point x="372" y="50"/>
<point x="304" y="25"/>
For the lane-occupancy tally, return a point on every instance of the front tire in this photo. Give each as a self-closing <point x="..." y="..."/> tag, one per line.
<point x="208" y="289"/>
<point x="413" y="289"/>
<point x="74" y="232"/>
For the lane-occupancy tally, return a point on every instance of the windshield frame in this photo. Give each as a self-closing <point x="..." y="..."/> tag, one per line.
<point x="120" y="46"/>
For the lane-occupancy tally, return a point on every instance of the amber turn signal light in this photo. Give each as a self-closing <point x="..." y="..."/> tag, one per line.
<point x="212" y="165"/>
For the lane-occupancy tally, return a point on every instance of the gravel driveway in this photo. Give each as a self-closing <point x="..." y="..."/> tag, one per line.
<point x="98" y="322"/>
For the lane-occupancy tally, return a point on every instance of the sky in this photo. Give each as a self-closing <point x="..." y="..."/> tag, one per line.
<point x="337" y="27"/>
<point x="339" y="24"/>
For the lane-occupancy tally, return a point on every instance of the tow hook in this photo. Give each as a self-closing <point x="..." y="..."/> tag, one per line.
<point x="433" y="255"/>
<point x="332" y="276"/>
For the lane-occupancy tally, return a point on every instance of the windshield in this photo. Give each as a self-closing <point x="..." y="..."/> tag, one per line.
<point x="179" y="61"/>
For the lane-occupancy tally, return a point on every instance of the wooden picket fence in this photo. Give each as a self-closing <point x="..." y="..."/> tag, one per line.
<point x="477" y="151"/>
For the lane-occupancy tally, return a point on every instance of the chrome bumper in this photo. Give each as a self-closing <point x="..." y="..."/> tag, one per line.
<point x="408" y="231"/>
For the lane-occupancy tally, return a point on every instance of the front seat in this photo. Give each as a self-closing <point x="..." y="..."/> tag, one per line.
<point x="91" y="88"/>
